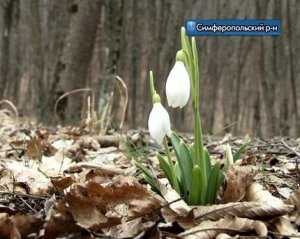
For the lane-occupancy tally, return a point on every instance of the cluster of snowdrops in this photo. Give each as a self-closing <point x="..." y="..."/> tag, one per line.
<point x="192" y="174"/>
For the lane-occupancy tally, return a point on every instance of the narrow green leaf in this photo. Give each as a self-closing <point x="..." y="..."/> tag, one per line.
<point x="178" y="172"/>
<point x="242" y="150"/>
<point x="179" y="178"/>
<point x="184" y="161"/>
<point x="166" y="167"/>
<point x="207" y="161"/>
<point x="149" y="177"/>
<point x="199" y="152"/>
<point x="214" y="183"/>
<point x="195" y="195"/>
<point x="169" y="170"/>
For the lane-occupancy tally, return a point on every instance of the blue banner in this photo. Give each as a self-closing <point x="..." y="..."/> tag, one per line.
<point x="233" y="27"/>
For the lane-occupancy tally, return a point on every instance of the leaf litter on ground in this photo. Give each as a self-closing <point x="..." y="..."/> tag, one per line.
<point x="67" y="183"/>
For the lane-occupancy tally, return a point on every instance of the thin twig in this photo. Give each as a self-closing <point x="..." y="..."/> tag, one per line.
<point x="122" y="83"/>
<point x="12" y="106"/>
<point x="30" y="207"/>
<point x="22" y="195"/>
<point x="68" y="94"/>
<point x="62" y="161"/>
<point x="290" y="148"/>
<point x="226" y="127"/>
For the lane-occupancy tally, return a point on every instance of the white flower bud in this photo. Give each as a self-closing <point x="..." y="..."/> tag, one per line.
<point x="159" y="123"/>
<point x="178" y="86"/>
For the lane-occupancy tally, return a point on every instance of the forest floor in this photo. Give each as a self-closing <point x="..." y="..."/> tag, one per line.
<point x="65" y="182"/>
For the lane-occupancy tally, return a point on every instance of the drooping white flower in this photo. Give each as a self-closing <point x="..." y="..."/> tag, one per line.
<point x="159" y="123"/>
<point x="178" y="86"/>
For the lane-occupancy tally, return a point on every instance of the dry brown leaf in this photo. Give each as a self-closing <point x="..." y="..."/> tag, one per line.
<point x="59" y="222"/>
<point x="55" y="165"/>
<point x="95" y="206"/>
<point x="61" y="183"/>
<point x="170" y="195"/>
<point x="34" y="176"/>
<point x="100" y="170"/>
<point x="251" y="210"/>
<point x="223" y="236"/>
<point x="229" y="225"/>
<point x="285" y="192"/>
<point x="34" y="148"/>
<point x="28" y="179"/>
<point x="238" y="178"/>
<point x="109" y="204"/>
<point x="18" y="226"/>
<point x="128" y="229"/>
<point x="285" y="227"/>
<point x="295" y="200"/>
<point x="256" y="193"/>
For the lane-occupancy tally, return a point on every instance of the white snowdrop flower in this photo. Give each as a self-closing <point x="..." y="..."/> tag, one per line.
<point x="159" y="123"/>
<point x="178" y="86"/>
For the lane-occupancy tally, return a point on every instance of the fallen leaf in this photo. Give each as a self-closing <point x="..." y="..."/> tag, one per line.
<point x="128" y="229"/>
<point x="170" y="195"/>
<point x="95" y="206"/>
<point x="61" y="183"/>
<point x="34" y="149"/>
<point x="229" y="225"/>
<point x="55" y="165"/>
<point x="284" y="192"/>
<point x="295" y="200"/>
<point x="100" y="169"/>
<point x="59" y="222"/>
<point x="238" y="178"/>
<point x="285" y="227"/>
<point x="28" y="179"/>
<point x="18" y="226"/>
<point x="251" y="210"/>
<point x="256" y="193"/>
<point x="223" y="236"/>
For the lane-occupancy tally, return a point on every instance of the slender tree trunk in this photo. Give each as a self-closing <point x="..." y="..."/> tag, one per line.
<point x="7" y="13"/>
<point x="72" y="69"/>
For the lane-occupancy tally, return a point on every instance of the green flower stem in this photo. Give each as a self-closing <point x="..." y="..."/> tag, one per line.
<point x="154" y="95"/>
<point x="198" y="128"/>
<point x="152" y="89"/>
<point x="199" y="139"/>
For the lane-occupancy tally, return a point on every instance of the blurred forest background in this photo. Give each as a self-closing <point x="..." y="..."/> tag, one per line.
<point x="248" y="84"/>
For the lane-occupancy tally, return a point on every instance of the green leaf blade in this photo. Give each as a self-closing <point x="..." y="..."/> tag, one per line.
<point x="149" y="177"/>
<point x="184" y="161"/>
<point x="195" y="195"/>
<point x="169" y="170"/>
<point x="215" y="181"/>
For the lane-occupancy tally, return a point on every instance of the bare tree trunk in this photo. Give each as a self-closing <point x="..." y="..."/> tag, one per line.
<point x="72" y="69"/>
<point x="291" y="51"/>
<point x="32" y="58"/>
<point x="7" y="12"/>
<point x="267" y="84"/>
